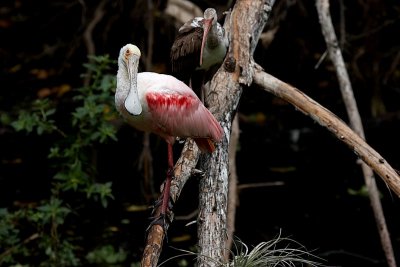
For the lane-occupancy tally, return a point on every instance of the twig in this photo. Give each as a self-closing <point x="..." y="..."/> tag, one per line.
<point x="24" y="242"/>
<point x="188" y="216"/>
<point x="232" y="186"/>
<point x="257" y="185"/>
<point x="88" y="38"/>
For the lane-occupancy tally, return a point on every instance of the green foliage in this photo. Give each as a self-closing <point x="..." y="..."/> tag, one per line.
<point x="361" y="192"/>
<point x="107" y="256"/>
<point x="36" y="118"/>
<point x="40" y="232"/>
<point x="57" y="252"/>
<point x="9" y="234"/>
<point x="50" y="212"/>
<point x="100" y="192"/>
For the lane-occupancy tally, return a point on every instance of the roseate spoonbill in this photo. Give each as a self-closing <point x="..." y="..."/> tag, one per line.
<point x="163" y="105"/>
<point x="199" y="47"/>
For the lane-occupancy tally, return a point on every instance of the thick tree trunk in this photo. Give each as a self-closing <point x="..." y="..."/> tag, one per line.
<point x="244" y="26"/>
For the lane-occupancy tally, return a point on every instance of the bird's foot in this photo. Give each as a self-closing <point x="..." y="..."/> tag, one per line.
<point x="162" y="209"/>
<point x="162" y="219"/>
<point x="180" y="140"/>
<point x="159" y="202"/>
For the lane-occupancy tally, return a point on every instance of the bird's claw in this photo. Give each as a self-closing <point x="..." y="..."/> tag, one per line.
<point x="163" y="220"/>
<point x="170" y="172"/>
<point x="164" y="217"/>
<point x="180" y="140"/>
<point x="159" y="220"/>
<point x="197" y="172"/>
<point x="158" y="202"/>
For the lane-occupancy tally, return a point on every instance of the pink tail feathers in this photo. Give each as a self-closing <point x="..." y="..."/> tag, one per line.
<point x="205" y="145"/>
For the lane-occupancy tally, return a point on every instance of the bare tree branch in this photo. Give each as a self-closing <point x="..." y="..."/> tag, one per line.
<point x="182" y="11"/>
<point x="330" y="121"/>
<point x="232" y="186"/>
<point x="182" y="171"/>
<point x="355" y="122"/>
<point x="87" y="35"/>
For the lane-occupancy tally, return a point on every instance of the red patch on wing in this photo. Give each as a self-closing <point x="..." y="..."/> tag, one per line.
<point x="156" y="100"/>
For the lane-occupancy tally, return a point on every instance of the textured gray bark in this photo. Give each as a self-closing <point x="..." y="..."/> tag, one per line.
<point x="244" y="26"/>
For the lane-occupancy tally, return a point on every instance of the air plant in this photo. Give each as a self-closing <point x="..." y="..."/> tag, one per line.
<point x="273" y="253"/>
<point x="269" y="253"/>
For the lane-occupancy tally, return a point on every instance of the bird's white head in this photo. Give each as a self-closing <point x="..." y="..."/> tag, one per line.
<point x="210" y="20"/>
<point x="128" y="62"/>
<point x="211" y="14"/>
<point x="128" y="50"/>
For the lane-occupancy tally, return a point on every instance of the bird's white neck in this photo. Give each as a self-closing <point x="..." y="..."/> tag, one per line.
<point x="215" y="48"/>
<point x="127" y="97"/>
<point x="213" y="37"/>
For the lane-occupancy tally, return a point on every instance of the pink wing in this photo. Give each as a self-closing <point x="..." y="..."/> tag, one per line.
<point x="182" y="114"/>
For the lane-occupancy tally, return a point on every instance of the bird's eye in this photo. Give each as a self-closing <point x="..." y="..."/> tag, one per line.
<point x="127" y="53"/>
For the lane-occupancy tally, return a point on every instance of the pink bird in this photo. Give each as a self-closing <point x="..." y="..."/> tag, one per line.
<point x="163" y="105"/>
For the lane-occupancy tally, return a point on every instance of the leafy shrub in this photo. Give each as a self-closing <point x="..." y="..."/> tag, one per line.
<point x="38" y="234"/>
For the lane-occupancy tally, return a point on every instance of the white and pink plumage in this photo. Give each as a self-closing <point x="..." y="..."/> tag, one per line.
<point x="163" y="105"/>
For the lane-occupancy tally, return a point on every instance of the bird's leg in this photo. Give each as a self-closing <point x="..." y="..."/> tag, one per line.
<point x="167" y="185"/>
<point x="163" y="217"/>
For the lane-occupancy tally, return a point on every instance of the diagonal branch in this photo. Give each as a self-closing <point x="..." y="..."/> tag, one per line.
<point x="156" y="233"/>
<point x="330" y="121"/>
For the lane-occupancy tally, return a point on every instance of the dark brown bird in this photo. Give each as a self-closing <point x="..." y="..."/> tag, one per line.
<point x="199" y="47"/>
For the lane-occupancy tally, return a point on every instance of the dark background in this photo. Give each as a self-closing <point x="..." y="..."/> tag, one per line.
<point x="316" y="205"/>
